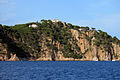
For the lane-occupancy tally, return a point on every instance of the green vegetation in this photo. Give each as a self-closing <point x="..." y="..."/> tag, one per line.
<point x="102" y="38"/>
<point x="28" y="41"/>
<point x="105" y="40"/>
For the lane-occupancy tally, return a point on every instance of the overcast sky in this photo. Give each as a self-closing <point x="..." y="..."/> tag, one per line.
<point x="101" y="14"/>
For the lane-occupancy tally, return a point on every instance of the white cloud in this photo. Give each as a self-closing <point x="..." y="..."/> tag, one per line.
<point x="7" y="17"/>
<point x="7" y="12"/>
<point x="3" y="1"/>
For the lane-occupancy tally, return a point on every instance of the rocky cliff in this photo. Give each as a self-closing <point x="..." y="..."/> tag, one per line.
<point x="54" y="41"/>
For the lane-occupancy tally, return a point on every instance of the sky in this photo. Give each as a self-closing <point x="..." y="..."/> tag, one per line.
<point x="100" y="14"/>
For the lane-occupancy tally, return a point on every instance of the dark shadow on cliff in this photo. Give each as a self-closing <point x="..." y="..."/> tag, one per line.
<point x="12" y="46"/>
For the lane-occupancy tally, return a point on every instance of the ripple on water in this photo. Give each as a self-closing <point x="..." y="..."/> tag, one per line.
<point x="59" y="70"/>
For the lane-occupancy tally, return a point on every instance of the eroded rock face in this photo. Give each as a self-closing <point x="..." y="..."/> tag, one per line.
<point x="1" y="58"/>
<point x="6" y="58"/>
<point x="13" y="58"/>
<point x="95" y="53"/>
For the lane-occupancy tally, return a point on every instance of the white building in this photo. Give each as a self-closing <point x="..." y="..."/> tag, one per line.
<point x="80" y="29"/>
<point x="33" y="25"/>
<point x="93" y="38"/>
<point x="55" y="20"/>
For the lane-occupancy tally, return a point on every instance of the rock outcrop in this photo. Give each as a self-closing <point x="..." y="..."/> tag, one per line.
<point x="13" y="58"/>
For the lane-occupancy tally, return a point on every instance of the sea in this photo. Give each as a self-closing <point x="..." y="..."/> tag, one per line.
<point x="59" y="70"/>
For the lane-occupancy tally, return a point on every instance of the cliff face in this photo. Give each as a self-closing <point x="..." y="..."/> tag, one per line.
<point x="56" y="41"/>
<point x="95" y="53"/>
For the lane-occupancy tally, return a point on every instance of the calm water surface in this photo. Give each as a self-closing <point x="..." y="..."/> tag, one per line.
<point x="59" y="70"/>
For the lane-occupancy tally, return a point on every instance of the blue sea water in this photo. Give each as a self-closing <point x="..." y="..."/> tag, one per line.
<point x="60" y="70"/>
